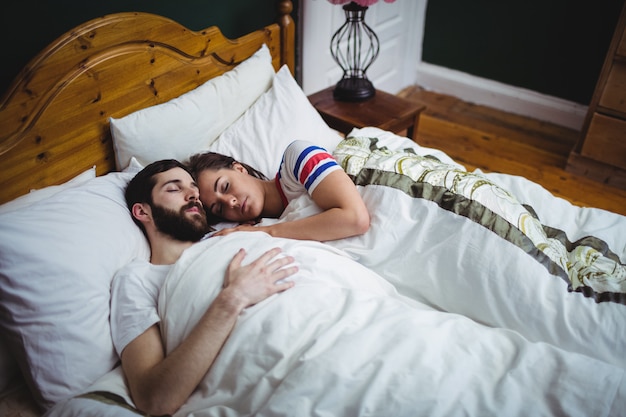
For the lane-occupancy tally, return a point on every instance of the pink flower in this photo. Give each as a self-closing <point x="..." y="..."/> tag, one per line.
<point x="364" y="3"/>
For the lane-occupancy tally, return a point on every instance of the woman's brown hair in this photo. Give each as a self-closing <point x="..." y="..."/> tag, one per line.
<point x="215" y="161"/>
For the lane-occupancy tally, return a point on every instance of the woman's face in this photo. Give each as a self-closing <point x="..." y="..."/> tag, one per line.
<point x="231" y="194"/>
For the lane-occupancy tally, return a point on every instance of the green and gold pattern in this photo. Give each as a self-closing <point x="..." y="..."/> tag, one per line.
<point x="588" y="266"/>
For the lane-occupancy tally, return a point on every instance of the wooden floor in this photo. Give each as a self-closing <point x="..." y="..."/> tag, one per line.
<point x="495" y="141"/>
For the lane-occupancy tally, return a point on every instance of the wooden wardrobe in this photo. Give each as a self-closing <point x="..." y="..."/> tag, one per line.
<point x="600" y="153"/>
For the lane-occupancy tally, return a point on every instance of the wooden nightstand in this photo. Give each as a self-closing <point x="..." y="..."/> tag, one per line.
<point x="384" y="110"/>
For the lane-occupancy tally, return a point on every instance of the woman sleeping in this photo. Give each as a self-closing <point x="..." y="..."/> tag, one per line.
<point x="461" y="243"/>
<point x="234" y="191"/>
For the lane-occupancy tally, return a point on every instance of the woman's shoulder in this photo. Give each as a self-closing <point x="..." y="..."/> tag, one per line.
<point x="300" y="146"/>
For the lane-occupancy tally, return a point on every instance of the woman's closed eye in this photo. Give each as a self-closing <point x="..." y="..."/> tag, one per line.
<point x="220" y="187"/>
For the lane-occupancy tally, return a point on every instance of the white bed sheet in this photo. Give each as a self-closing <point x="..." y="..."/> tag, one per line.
<point x="448" y="261"/>
<point x="342" y="342"/>
<point x="439" y="316"/>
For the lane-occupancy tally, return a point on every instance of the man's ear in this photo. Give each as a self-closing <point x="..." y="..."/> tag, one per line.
<point x="238" y="167"/>
<point x="141" y="212"/>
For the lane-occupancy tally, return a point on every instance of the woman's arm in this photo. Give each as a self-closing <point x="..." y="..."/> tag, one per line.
<point x="344" y="214"/>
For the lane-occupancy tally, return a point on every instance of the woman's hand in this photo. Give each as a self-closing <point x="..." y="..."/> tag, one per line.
<point x="240" y="228"/>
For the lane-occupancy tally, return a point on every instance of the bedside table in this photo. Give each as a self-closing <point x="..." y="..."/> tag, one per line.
<point x="384" y="110"/>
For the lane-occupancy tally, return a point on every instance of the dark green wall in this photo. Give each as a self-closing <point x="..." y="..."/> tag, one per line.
<point x="555" y="47"/>
<point x="28" y="26"/>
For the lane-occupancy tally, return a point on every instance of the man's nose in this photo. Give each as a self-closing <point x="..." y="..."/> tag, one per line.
<point x="193" y="194"/>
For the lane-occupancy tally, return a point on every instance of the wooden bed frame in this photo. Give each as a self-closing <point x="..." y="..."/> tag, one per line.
<point x="55" y="115"/>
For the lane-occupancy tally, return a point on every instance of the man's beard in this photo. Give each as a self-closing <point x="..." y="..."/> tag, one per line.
<point x="178" y="225"/>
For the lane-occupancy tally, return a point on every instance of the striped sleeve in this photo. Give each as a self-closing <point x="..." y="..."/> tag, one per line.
<point x="304" y="166"/>
<point x="312" y="166"/>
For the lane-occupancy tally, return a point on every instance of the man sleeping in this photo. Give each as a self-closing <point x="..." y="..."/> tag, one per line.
<point x="163" y="200"/>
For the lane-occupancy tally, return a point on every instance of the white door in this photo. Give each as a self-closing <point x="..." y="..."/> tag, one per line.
<point x="398" y="25"/>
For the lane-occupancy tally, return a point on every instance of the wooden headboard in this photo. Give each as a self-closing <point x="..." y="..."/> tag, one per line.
<point x="55" y="116"/>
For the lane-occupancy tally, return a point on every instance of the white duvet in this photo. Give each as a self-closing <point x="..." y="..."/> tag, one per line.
<point x="429" y="313"/>
<point x="342" y="342"/>
<point x="453" y="263"/>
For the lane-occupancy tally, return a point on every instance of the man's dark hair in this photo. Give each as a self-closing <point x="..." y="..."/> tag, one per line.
<point x="139" y="189"/>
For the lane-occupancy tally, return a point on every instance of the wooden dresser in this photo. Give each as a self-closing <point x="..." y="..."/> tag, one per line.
<point x="600" y="153"/>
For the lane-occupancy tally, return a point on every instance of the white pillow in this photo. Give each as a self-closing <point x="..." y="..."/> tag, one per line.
<point x="8" y="367"/>
<point x="134" y="166"/>
<point x="43" y="193"/>
<point x="57" y="259"/>
<point x="280" y="116"/>
<point x="182" y="126"/>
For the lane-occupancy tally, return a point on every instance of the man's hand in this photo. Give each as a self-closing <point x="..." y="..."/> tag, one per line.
<point x="260" y="279"/>
<point x="160" y="385"/>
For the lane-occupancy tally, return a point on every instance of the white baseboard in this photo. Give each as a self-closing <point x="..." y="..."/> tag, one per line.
<point x="501" y="96"/>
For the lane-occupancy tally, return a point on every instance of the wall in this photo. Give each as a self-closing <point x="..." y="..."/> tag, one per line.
<point x="398" y="26"/>
<point x="537" y="58"/>
<point x="28" y="26"/>
<point x="554" y="47"/>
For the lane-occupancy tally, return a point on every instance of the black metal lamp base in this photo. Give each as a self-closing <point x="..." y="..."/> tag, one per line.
<point x="354" y="89"/>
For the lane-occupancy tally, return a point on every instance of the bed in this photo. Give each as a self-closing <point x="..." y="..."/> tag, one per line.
<point x="471" y="294"/>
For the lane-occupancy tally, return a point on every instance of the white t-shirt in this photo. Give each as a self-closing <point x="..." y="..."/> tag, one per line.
<point x="302" y="169"/>
<point x="134" y="297"/>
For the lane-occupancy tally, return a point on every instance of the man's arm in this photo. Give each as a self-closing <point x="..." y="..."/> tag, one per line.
<point x="160" y="384"/>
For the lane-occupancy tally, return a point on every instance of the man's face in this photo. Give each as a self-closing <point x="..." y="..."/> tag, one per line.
<point x="176" y="209"/>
